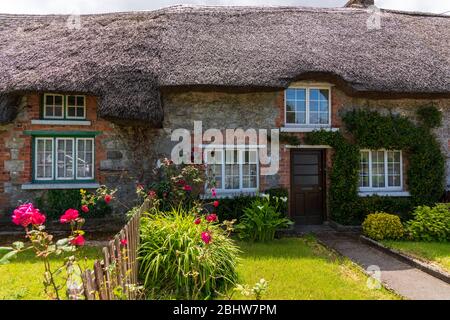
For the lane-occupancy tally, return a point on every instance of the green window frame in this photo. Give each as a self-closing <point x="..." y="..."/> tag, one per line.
<point x="72" y="158"/>
<point x="70" y="104"/>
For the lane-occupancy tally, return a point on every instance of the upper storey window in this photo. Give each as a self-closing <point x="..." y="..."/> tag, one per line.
<point x="58" y="106"/>
<point x="307" y="106"/>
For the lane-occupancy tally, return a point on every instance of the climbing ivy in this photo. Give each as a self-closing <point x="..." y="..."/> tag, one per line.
<point x="371" y="130"/>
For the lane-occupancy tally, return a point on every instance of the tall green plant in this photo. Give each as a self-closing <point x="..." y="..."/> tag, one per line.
<point x="176" y="261"/>
<point x="261" y="220"/>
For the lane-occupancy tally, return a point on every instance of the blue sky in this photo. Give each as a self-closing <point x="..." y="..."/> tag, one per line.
<point x="98" y="6"/>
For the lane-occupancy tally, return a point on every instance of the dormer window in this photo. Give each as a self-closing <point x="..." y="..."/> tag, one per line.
<point x="307" y="106"/>
<point x="61" y="107"/>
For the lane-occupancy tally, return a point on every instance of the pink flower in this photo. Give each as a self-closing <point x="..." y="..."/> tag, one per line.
<point x="152" y="194"/>
<point x="69" y="216"/>
<point x="198" y="221"/>
<point x="85" y="208"/>
<point x="206" y="237"/>
<point x="216" y="203"/>
<point x="213" y="192"/>
<point x="187" y="188"/>
<point x="108" y="198"/>
<point x="78" y="241"/>
<point x="140" y="187"/>
<point x="124" y="242"/>
<point x="211" y="217"/>
<point x="27" y="214"/>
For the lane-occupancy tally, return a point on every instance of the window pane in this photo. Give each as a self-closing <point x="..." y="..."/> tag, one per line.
<point x="290" y="94"/>
<point x="80" y="101"/>
<point x="64" y="153"/>
<point x="71" y="111"/>
<point x="214" y="167"/>
<point x="249" y="169"/>
<point x="85" y="157"/>
<point x="394" y="168"/>
<point x="364" y="169"/>
<point x="44" y="158"/>
<point x="378" y="178"/>
<point x="71" y="100"/>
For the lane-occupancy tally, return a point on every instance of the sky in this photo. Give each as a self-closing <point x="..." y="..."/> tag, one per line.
<point x="101" y="6"/>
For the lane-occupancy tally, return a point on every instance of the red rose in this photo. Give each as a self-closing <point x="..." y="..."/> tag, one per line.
<point x="187" y="188"/>
<point x="78" y="241"/>
<point x="181" y="182"/>
<point x="124" y="242"/>
<point x="152" y="194"/>
<point x="213" y="192"/>
<point x="198" y="221"/>
<point x="211" y="217"/>
<point x="206" y="237"/>
<point x="216" y="204"/>
<point x="140" y="187"/>
<point x="85" y="208"/>
<point x="26" y="214"/>
<point x="108" y="198"/>
<point x="69" y="216"/>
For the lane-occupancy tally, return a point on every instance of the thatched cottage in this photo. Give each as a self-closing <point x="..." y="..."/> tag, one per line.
<point x="93" y="99"/>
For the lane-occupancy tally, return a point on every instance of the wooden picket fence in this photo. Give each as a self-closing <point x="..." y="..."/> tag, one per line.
<point x="116" y="275"/>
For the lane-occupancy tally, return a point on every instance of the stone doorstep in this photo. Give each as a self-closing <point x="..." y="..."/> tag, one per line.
<point x="342" y="228"/>
<point x="416" y="263"/>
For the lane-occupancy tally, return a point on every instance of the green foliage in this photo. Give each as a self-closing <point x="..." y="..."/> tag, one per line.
<point x="430" y="223"/>
<point x="430" y="116"/>
<point x="371" y="130"/>
<point x="290" y="139"/>
<point x="233" y="208"/>
<point x="383" y="226"/>
<point x="55" y="202"/>
<point x="261" y="220"/>
<point x="175" y="263"/>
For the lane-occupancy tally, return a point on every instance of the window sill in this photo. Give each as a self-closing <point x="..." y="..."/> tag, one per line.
<point x="229" y="194"/>
<point x="62" y="122"/>
<point x="307" y="129"/>
<point x="54" y="186"/>
<point x="384" y="193"/>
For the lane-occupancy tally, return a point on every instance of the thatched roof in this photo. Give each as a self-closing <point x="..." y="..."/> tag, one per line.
<point x="126" y="58"/>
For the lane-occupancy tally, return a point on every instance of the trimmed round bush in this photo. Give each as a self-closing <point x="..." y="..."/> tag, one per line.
<point x="176" y="264"/>
<point x="383" y="226"/>
<point x="430" y="223"/>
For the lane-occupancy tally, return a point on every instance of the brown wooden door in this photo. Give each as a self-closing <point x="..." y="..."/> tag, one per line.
<point x="307" y="186"/>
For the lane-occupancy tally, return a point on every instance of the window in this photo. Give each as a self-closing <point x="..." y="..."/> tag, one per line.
<point x="57" y="106"/>
<point x="307" y="106"/>
<point x="75" y="107"/>
<point x="53" y="106"/>
<point x="233" y="170"/>
<point x="380" y="170"/>
<point x="64" y="159"/>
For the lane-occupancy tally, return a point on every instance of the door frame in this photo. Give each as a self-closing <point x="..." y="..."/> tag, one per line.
<point x="323" y="155"/>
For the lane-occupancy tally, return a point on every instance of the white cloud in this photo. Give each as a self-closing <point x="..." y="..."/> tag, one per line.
<point x="98" y="6"/>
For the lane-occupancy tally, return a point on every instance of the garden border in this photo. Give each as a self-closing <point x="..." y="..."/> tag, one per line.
<point x="437" y="273"/>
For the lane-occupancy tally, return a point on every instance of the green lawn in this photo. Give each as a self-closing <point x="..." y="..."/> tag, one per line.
<point x="436" y="252"/>
<point x="22" y="278"/>
<point x="300" y="268"/>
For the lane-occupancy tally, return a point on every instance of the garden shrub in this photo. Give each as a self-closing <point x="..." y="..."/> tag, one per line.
<point x="383" y="226"/>
<point x="177" y="262"/>
<point x="261" y="220"/>
<point x="401" y="206"/>
<point x="233" y="208"/>
<point x="55" y="202"/>
<point x="430" y="223"/>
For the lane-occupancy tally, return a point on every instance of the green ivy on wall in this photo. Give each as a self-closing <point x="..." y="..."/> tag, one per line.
<point x="371" y="130"/>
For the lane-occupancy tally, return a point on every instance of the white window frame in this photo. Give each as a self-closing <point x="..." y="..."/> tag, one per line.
<point x="386" y="175"/>
<point x="67" y="107"/>
<point x="307" y="88"/>
<point x="45" y="106"/>
<point x="93" y="159"/>
<point x="241" y="176"/>
<point x="36" y="159"/>
<point x="56" y="159"/>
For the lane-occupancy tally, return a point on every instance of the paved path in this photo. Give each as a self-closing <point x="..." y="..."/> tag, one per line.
<point x="406" y="280"/>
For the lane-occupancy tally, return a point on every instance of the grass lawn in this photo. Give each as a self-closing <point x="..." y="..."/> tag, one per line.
<point x="22" y="278"/>
<point x="300" y="268"/>
<point x="436" y="252"/>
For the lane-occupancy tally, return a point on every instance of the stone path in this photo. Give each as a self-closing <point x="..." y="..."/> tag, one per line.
<point x="404" y="279"/>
